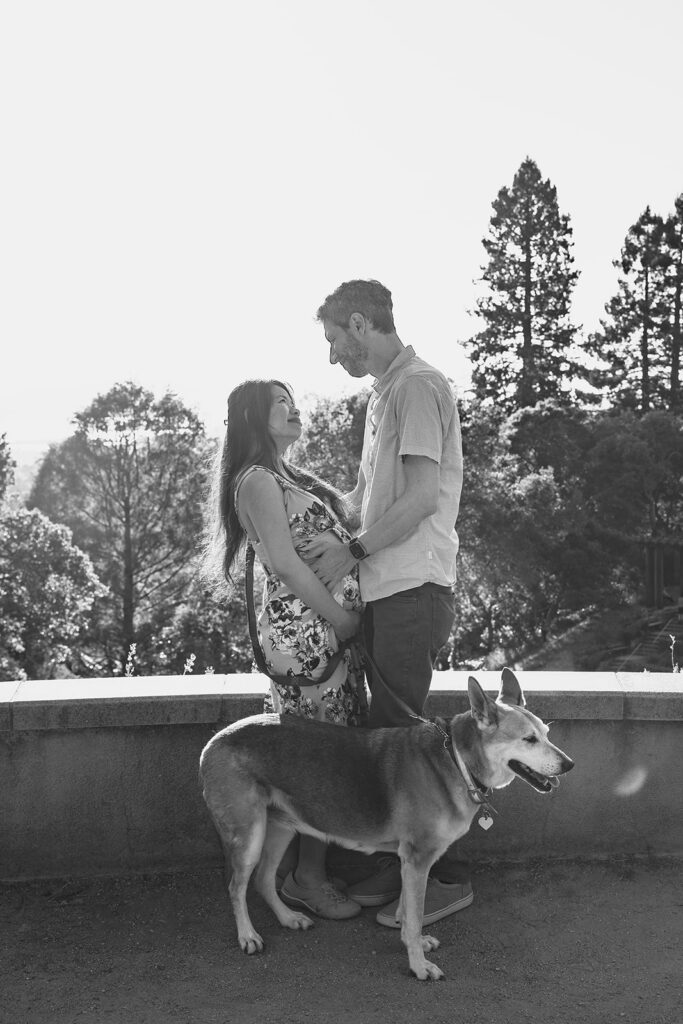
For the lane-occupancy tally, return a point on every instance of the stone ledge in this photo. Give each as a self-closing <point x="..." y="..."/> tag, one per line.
<point x="179" y="700"/>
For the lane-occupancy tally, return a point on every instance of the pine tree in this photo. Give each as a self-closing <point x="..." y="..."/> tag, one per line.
<point x="630" y="344"/>
<point x="523" y="355"/>
<point x="672" y="265"/>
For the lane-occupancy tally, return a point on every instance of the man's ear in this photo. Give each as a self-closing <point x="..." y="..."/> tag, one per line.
<point x="484" y="710"/>
<point x="357" y="324"/>
<point x="510" y="690"/>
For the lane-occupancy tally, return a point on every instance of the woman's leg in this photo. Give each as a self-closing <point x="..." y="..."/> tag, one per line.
<point x="310" y="869"/>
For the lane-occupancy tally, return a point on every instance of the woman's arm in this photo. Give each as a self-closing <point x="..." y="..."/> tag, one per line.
<point x="262" y="510"/>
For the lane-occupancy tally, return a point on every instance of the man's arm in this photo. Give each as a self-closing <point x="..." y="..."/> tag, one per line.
<point x="417" y="502"/>
<point x="355" y="499"/>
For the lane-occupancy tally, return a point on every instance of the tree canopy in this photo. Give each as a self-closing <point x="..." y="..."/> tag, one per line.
<point x="332" y="444"/>
<point x="48" y="588"/>
<point x="6" y="466"/>
<point x="560" y="487"/>
<point x="130" y="484"/>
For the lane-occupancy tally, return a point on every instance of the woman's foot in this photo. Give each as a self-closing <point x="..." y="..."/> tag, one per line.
<point x="323" y="899"/>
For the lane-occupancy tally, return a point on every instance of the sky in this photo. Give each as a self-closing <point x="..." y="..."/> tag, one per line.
<point x="182" y="183"/>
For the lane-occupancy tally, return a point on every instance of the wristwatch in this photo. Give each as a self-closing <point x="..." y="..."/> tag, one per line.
<point x="357" y="549"/>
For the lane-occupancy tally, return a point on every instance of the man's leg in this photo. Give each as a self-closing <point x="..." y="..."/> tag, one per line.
<point x="403" y="634"/>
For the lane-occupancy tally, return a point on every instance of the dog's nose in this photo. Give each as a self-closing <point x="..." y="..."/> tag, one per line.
<point x="567" y="764"/>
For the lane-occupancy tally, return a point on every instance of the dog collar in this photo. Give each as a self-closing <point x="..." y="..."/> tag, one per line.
<point x="478" y="793"/>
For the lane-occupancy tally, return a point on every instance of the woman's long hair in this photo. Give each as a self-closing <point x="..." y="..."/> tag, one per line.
<point x="248" y="443"/>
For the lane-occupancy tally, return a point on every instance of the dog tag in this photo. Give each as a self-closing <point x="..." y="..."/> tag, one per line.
<point x="486" y="821"/>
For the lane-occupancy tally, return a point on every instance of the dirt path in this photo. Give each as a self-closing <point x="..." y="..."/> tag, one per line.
<point x="557" y="944"/>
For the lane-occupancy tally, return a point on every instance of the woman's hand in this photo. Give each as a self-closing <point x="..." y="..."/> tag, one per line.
<point x="350" y="625"/>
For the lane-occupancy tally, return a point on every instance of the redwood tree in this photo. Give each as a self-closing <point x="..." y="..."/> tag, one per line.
<point x="672" y="263"/>
<point x="524" y="352"/>
<point x="630" y="345"/>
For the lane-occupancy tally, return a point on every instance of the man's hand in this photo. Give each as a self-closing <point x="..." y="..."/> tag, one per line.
<point x="329" y="558"/>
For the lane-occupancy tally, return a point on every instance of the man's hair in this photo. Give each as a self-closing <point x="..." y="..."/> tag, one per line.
<point x="370" y="298"/>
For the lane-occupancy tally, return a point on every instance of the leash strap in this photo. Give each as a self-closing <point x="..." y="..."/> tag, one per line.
<point x="477" y="795"/>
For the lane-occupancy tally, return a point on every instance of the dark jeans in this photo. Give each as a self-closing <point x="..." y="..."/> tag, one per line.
<point x="403" y="634"/>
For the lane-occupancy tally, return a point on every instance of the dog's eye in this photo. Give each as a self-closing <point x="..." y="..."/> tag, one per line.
<point x="531" y="739"/>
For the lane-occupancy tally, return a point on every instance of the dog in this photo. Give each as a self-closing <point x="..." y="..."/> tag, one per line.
<point x="411" y="791"/>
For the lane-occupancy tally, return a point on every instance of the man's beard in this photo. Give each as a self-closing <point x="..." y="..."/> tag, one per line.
<point x="355" y="358"/>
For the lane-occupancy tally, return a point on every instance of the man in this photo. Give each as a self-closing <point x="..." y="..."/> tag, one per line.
<point x="407" y="496"/>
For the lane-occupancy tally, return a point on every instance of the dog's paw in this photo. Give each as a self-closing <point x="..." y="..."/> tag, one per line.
<point x="296" y="921"/>
<point x="429" y="943"/>
<point x="251" y="943"/>
<point x="428" y="972"/>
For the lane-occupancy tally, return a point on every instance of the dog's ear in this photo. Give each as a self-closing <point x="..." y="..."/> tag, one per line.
<point x="484" y="710"/>
<point x="510" y="690"/>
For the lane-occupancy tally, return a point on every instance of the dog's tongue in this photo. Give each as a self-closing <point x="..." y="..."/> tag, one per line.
<point x="554" y="781"/>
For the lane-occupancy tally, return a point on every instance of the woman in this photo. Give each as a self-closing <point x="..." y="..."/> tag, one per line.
<point x="278" y="507"/>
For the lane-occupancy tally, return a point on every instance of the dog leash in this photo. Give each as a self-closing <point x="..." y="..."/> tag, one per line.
<point x="357" y="650"/>
<point x="478" y="794"/>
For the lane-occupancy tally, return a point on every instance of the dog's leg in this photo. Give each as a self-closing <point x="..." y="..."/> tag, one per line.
<point x="241" y="825"/>
<point x="245" y="851"/>
<point x="278" y="837"/>
<point x="414" y="870"/>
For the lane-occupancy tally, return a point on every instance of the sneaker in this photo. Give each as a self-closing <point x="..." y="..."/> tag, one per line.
<point x="381" y="887"/>
<point x="441" y="899"/>
<point x="280" y="880"/>
<point x="324" y="900"/>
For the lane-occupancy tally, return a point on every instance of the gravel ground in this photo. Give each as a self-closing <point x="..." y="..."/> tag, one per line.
<point x="560" y="943"/>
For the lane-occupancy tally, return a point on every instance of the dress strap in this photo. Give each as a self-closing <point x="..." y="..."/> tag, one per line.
<point x="252" y="469"/>
<point x="284" y="484"/>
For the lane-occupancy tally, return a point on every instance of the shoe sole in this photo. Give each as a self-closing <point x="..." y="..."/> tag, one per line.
<point x="436" y="915"/>
<point x="297" y="901"/>
<point x="377" y="900"/>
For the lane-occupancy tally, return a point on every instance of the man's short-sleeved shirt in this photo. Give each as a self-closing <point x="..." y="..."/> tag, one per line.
<point x="412" y="412"/>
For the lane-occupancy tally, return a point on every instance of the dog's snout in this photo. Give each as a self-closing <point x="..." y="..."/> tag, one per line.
<point x="567" y="764"/>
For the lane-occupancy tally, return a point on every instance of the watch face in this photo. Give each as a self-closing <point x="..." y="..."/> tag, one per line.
<point x="357" y="549"/>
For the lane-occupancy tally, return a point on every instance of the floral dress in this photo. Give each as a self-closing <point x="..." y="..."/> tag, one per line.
<point x="295" y="639"/>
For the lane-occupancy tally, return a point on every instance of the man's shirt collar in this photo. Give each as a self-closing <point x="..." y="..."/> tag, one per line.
<point x="399" y="362"/>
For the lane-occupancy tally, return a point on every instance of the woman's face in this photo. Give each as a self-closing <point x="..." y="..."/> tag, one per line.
<point x="284" y="423"/>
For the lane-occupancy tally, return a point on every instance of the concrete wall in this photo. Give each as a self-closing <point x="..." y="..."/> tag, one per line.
<point x="100" y="776"/>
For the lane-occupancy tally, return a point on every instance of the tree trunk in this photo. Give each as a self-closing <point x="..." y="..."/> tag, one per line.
<point x="644" y="346"/>
<point x="526" y="390"/>
<point x="676" y="338"/>
<point x="128" y="588"/>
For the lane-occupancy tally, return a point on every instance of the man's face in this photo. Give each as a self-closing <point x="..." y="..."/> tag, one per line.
<point x="348" y="348"/>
